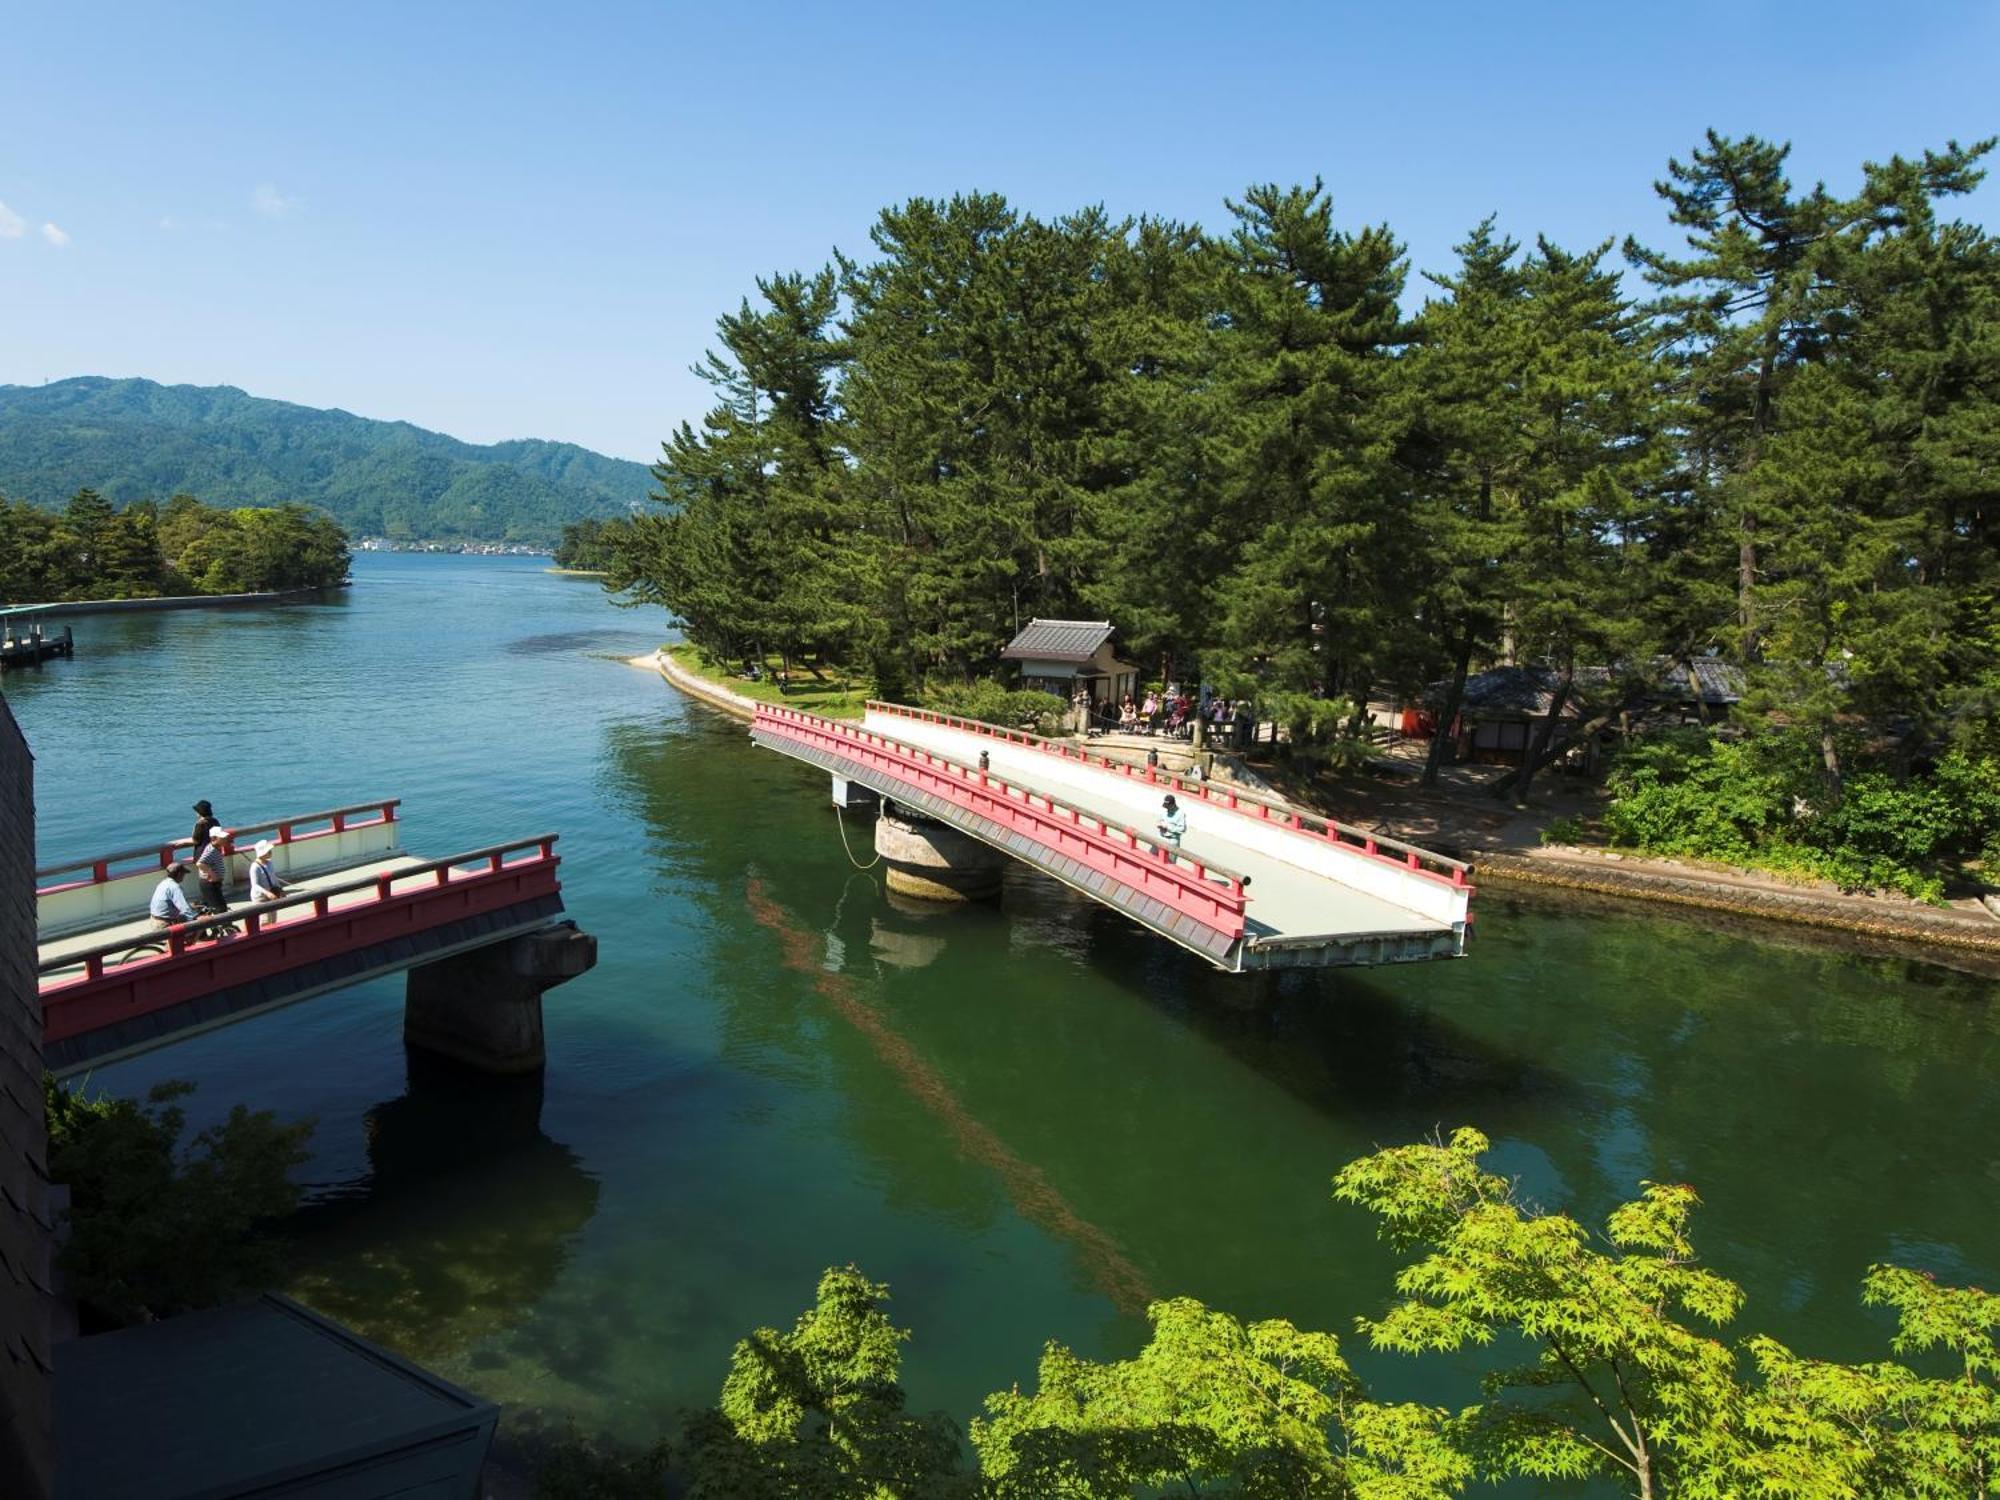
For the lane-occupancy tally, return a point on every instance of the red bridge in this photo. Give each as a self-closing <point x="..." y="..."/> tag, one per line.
<point x="481" y="930"/>
<point x="1253" y="884"/>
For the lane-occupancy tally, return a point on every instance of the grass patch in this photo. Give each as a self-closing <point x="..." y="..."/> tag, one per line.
<point x="832" y="694"/>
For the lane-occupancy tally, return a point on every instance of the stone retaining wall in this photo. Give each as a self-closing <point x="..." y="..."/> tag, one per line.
<point x="1911" y="923"/>
<point x="711" y="693"/>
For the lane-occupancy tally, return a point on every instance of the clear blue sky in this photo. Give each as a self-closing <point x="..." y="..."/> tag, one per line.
<point x="521" y="221"/>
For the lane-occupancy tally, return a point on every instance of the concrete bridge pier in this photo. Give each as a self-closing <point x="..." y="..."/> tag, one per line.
<point x="484" y="1008"/>
<point x="933" y="862"/>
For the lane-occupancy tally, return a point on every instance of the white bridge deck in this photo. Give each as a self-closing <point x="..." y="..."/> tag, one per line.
<point x="1318" y="894"/>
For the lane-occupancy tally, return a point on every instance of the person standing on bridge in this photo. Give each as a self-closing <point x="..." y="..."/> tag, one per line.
<point x="1173" y="827"/>
<point x="211" y="868"/>
<point x="205" y="822"/>
<point x="264" y="882"/>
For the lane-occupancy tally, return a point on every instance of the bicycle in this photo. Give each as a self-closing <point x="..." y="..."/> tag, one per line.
<point x="158" y="942"/>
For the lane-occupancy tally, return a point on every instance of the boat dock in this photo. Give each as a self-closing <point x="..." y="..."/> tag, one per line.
<point x="25" y="643"/>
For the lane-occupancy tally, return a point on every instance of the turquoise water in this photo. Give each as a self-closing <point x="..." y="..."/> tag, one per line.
<point x="1027" y="1120"/>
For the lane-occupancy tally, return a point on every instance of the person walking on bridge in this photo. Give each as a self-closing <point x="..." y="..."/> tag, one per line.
<point x="205" y="822"/>
<point x="211" y="868"/>
<point x="1172" y="826"/>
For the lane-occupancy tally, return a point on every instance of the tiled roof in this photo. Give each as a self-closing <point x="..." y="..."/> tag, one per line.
<point x="1528" y="689"/>
<point x="1058" y="640"/>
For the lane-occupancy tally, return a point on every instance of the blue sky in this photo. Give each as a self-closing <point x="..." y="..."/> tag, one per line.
<point x="521" y="221"/>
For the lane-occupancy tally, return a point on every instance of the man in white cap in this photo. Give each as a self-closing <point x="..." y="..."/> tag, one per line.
<point x="211" y="869"/>
<point x="264" y="882"/>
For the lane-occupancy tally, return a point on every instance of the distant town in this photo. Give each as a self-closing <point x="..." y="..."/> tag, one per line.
<point x="481" y="549"/>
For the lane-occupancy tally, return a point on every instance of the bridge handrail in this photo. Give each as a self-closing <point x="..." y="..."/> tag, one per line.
<point x="260" y="914"/>
<point x="1357" y="841"/>
<point x="286" y="829"/>
<point x="1030" y="795"/>
<point x="1226" y="895"/>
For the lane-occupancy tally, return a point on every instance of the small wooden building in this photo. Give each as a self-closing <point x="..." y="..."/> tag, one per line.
<point x="1504" y="706"/>
<point x="1063" y="656"/>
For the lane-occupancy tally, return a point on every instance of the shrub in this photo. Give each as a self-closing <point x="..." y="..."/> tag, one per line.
<point x="1563" y="831"/>
<point x="995" y="703"/>
<point x="1757" y="801"/>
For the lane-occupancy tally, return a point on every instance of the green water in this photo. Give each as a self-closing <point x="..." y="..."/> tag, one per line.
<point x="1026" y="1120"/>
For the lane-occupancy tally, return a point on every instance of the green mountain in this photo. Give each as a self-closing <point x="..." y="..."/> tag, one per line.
<point x="137" y="439"/>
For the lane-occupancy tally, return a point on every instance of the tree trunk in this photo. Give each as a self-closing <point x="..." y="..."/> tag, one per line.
<point x="1829" y="754"/>
<point x="1448" y="712"/>
<point x="1583" y="731"/>
<point x="1533" y="760"/>
<point x="1746" y="588"/>
<point x="1694" y="685"/>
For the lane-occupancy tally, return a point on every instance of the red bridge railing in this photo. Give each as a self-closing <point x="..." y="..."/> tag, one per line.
<point x="1356" y="841"/>
<point x="297" y="829"/>
<point x="85" y="990"/>
<point x="1210" y="895"/>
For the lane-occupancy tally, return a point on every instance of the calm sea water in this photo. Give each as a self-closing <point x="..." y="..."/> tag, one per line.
<point x="1027" y="1120"/>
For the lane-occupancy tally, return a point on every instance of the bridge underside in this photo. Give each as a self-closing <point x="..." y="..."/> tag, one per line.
<point x="148" y="1028"/>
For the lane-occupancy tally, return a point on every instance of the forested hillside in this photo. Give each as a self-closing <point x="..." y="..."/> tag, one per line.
<point x="1763" y="432"/>
<point x="135" y="440"/>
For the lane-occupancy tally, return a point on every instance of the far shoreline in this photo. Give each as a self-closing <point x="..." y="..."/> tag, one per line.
<point x="60" y="607"/>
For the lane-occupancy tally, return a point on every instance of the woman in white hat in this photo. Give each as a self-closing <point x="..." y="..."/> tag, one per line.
<point x="264" y="882"/>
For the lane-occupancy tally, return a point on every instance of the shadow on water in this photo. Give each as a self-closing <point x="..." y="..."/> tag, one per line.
<point x="1348" y="1045"/>
<point x="560" y="642"/>
<point x="464" y="1222"/>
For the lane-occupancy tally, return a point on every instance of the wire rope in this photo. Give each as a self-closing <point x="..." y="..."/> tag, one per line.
<point x="840" y="814"/>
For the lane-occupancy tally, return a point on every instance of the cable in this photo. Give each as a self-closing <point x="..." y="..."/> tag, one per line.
<point x="840" y="815"/>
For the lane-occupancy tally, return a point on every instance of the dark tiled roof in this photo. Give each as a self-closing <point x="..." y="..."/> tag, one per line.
<point x="1528" y="689"/>
<point x="1510" y="690"/>
<point x="1721" y="684"/>
<point x="1058" y="640"/>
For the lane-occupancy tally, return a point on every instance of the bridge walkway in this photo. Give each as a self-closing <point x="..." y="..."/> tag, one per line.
<point x="1286" y="902"/>
<point x="62" y="957"/>
<point x="1255" y="883"/>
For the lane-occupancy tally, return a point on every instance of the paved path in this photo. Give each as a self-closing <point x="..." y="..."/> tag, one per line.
<point x="1286" y="899"/>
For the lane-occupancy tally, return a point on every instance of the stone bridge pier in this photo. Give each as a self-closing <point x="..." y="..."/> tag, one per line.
<point x="484" y="1008"/>
<point x="933" y="861"/>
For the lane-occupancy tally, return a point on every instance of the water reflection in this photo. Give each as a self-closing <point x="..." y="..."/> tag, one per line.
<point x="464" y="1222"/>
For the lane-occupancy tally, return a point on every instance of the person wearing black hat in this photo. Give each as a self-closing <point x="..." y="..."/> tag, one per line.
<point x="204" y="820"/>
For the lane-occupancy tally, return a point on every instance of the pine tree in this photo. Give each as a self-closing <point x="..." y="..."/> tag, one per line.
<point x="975" y="396"/>
<point x="1578" y="576"/>
<point x="1878" y="577"/>
<point x="1156" y="521"/>
<point x="1468" y="451"/>
<point x="1311" y="611"/>
<point x="1736" y="322"/>
<point x="746" y="553"/>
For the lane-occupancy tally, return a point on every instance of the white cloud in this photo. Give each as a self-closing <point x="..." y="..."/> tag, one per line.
<point x="55" y="236"/>
<point x="11" y="223"/>
<point x="271" y="203"/>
